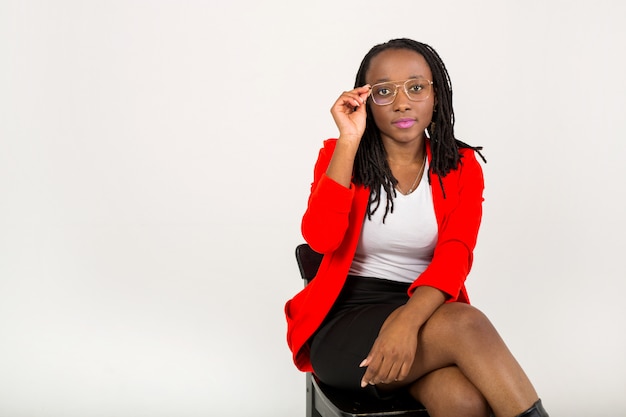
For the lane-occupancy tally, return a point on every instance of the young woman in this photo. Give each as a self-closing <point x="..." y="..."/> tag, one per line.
<point x="395" y="208"/>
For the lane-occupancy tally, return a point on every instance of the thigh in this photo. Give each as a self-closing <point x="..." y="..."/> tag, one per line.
<point x="344" y="341"/>
<point x="347" y="335"/>
<point x="447" y="392"/>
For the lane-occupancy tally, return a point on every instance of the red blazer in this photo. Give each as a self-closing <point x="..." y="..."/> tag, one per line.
<point x="332" y="224"/>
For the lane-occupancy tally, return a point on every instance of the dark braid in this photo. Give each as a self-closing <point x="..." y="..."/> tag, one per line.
<point x="370" y="166"/>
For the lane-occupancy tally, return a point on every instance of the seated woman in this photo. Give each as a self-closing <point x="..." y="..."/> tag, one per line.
<point x="395" y="207"/>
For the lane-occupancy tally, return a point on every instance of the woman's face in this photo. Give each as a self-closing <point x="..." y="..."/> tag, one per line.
<point x="404" y="120"/>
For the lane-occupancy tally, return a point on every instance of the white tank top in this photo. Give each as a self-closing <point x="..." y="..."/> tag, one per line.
<point x="401" y="248"/>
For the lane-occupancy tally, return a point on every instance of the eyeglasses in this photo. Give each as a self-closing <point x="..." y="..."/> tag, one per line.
<point x="416" y="89"/>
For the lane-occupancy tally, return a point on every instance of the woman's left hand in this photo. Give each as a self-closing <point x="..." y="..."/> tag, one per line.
<point x="393" y="352"/>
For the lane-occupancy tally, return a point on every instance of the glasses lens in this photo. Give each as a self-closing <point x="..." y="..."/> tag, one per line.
<point x="383" y="93"/>
<point x="418" y="90"/>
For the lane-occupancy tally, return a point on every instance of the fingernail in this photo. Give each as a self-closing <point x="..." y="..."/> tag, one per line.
<point x="362" y="363"/>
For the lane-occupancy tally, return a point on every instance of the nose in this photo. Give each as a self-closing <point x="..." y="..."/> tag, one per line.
<point x="402" y="101"/>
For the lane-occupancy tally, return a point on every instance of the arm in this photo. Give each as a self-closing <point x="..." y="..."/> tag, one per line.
<point x="459" y="216"/>
<point x="350" y="115"/>
<point x="326" y="219"/>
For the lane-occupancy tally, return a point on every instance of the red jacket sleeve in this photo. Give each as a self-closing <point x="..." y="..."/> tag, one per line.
<point x="459" y="220"/>
<point x="326" y="219"/>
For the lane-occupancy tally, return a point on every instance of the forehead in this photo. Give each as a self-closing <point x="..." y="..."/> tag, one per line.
<point x="396" y="65"/>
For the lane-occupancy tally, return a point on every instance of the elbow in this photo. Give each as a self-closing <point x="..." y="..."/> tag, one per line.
<point x="320" y="239"/>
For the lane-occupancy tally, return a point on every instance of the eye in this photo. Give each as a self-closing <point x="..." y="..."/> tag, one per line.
<point x="383" y="91"/>
<point x="416" y="88"/>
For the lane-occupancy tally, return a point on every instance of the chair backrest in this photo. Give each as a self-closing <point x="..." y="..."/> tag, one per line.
<point x="308" y="261"/>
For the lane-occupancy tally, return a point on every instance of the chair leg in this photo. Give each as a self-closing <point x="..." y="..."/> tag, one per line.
<point x="310" y="400"/>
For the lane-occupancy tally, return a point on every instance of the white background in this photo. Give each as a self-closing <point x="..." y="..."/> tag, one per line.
<point x="155" y="160"/>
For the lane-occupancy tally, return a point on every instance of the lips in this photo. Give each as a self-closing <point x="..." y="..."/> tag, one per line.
<point x="404" y="123"/>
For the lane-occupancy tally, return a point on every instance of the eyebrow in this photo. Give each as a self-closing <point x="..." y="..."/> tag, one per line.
<point x="386" y="80"/>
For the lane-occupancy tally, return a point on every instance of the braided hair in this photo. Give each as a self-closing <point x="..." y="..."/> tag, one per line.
<point x="370" y="166"/>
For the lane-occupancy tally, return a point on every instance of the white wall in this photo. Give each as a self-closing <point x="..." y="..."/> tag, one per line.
<point x="155" y="158"/>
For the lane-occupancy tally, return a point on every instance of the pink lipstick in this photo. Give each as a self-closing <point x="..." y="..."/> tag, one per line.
<point x="404" y="123"/>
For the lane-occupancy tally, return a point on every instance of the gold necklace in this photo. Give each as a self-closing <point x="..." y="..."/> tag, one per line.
<point x="419" y="174"/>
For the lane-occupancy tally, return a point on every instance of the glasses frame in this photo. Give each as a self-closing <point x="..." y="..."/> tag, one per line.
<point x="397" y="84"/>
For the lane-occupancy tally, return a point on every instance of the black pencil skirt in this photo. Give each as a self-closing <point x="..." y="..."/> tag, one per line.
<point x="347" y="334"/>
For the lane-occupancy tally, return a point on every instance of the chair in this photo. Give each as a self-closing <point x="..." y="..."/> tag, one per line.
<point x="325" y="401"/>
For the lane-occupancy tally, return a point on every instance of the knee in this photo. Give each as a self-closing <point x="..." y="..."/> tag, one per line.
<point x="459" y="321"/>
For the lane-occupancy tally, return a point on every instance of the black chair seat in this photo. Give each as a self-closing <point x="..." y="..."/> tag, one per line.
<point x="331" y="402"/>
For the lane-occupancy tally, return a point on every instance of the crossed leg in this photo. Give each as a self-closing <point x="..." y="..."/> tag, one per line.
<point x="462" y="363"/>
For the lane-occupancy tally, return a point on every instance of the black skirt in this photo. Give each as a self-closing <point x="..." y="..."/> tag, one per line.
<point x="347" y="334"/>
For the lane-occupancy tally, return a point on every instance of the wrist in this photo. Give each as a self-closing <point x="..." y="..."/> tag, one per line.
<point x="349" y="141"/>
<point x="412" y="318"/>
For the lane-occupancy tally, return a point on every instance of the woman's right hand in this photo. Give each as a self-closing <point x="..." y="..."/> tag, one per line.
<point x="349" y="113"/>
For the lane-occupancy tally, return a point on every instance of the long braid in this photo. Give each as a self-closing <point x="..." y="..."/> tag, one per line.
<point x="371" y="169"/>
<point x="370" y="166"/>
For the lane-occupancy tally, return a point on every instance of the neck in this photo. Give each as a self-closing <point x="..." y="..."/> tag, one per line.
<point x="406" y="154"/>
